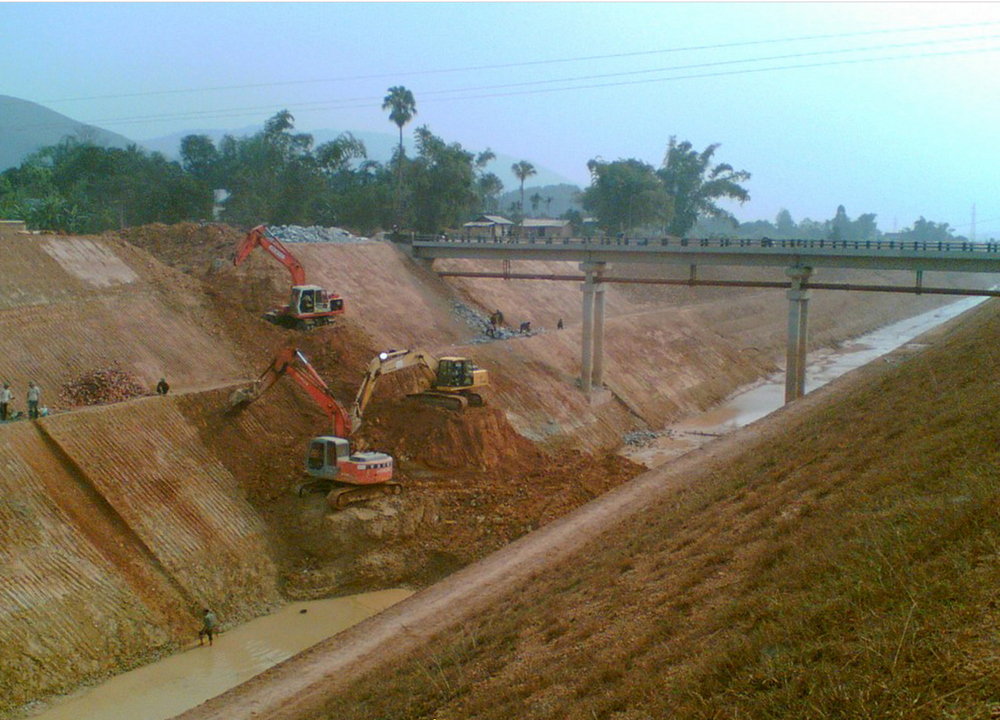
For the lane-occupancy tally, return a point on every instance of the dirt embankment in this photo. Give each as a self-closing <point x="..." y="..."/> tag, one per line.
<point x="118" y="527"/>
<point x="171" y="503"/>
<point x="836" y="559"/>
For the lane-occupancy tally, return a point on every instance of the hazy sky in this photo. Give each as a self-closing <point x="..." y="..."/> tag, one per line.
<point x="880" y="107"/>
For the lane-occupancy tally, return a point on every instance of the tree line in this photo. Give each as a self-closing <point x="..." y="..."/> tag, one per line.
<point x="279" y="176"/>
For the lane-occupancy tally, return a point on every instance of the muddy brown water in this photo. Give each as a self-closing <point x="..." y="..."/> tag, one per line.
<point x="754" y="402"/>
<point x="170" y="686"/>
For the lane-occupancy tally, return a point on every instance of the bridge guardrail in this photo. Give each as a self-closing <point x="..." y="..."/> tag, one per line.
<point x="885" y="245"/>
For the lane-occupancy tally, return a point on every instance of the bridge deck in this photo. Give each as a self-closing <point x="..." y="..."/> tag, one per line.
<point x="868" y="255"/>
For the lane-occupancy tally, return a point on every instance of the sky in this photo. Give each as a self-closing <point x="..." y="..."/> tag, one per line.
<point x="889" y="108"/>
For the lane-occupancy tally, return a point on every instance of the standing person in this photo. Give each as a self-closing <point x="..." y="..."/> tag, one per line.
<point x="208" y="628"/>
<point x="6" y="397"/>
<point x="161" y="387"/>
<point x="34" y="395"/>
<point x="559" y="325"/>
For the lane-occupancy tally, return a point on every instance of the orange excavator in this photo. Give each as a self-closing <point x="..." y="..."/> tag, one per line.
<point x="310" y="305"/>
<point x="332" y="468"/>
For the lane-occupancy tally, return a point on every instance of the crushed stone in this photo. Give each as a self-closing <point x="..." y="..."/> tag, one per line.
<point x="642" y="438"/>
<point x="480" y="322"/>
<point x="313" y="234"/>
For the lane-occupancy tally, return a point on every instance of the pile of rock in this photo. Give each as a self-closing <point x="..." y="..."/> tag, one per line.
<point x="481" y="323"/>
<point x="101" y="387"/>
<point x="640" y="438"/>
<point x="314" y="234"/>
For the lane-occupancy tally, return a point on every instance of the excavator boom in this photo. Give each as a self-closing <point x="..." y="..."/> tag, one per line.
<point x="310" y="305"/>
<point x="260" y="236"/>
<point x="453" y="380"/>
<point x="383" y="364"/>
<point x="308" y="379"/>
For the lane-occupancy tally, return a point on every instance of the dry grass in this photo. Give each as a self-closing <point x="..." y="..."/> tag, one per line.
<point x="847" y="568"/>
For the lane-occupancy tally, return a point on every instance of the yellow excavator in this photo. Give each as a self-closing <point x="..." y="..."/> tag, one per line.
<point x="454" y="382"/>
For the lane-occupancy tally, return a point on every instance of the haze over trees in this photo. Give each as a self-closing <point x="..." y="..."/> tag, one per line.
<point x="278" y="176"/>
<point x="625" y="194"/>
<point x="696" y="185"/>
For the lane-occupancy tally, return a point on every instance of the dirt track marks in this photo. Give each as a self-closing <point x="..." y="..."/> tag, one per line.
<point x="111" y="536"/>
<point x="57" y="579"/>
<point x="149" y="464"/>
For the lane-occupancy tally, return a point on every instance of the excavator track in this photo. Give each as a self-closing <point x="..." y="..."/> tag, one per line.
<point x="343" y="495"/>
<point x="439" y="399"/>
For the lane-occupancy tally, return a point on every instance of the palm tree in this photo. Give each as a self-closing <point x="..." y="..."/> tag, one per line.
<point x="535" y="200"/>
<point x="523" y="170"/>
<point x="402" y="106"/>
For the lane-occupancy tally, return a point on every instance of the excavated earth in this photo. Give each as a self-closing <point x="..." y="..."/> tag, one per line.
<point x="119" y="522"/>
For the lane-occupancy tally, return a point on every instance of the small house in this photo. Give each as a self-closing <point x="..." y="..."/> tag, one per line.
<point x="546" y="229"/>
<point x="487" y="227"/>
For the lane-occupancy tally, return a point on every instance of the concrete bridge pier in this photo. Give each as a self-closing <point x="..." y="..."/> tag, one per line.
<point x="592" y="356"/>
<point x="798" y="333"/>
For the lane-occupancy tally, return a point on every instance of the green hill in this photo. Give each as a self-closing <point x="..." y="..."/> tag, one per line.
<point x="26" y="127"/>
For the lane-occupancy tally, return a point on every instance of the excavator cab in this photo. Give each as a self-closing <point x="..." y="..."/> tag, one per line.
<point x="308" y="300"/>
<point x="347" y="477"/>
<point x="455" y="372"/>
<point x="324" y="452"/>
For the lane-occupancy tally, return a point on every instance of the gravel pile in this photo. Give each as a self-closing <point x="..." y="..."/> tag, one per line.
<point x="481" y="323"/>
<point x="100" y="387"/>
<point x="314" y="234"/>
<point x="640" y="438"/>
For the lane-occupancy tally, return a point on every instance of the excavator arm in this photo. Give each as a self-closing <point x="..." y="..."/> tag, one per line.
<point x="260" y="236"/>
<point x="307" y="378"/>
<point x="385" y="363"/>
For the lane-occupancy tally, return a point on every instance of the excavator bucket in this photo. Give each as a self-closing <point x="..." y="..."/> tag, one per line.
<point x="240" y="398"/>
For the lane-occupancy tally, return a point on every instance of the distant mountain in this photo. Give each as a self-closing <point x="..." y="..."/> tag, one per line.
<point x="380" y="147"/>
<point x="564" y="197"/>
<point x="26" y="127"/>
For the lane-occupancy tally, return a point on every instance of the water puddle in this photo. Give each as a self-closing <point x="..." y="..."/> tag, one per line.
<point x="754" y="402"/>
<point x="170" y="686"/>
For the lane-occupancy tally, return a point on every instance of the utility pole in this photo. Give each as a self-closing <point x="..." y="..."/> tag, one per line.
<point x="972" y="229"/>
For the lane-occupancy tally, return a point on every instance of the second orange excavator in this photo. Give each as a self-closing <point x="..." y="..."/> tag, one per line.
<point x="310" y="305"/>
<point x="347" y="477"/>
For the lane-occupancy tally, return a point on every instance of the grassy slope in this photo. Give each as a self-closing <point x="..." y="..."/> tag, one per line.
<point x="844" y="566"/>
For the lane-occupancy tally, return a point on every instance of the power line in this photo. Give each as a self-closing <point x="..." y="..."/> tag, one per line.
<point x="529" y="63"/>
<point x="361" y="102"/>
<point x="717" y="63"/>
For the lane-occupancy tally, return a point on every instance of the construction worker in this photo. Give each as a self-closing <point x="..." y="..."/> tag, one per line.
<point x="161" y="387"/>
<point x="34" y="395"/>
<point x="208" y="627"/>
<point x="6" y="397"/>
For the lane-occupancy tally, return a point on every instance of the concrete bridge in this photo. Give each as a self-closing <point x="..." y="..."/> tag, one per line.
<point x="797" y="257"/>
